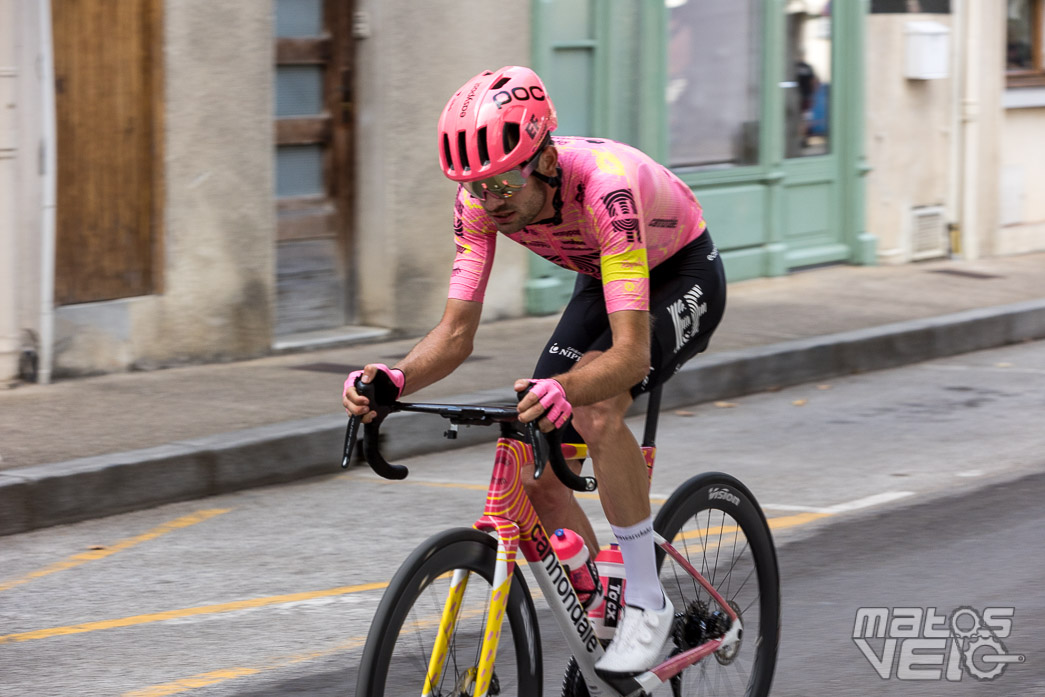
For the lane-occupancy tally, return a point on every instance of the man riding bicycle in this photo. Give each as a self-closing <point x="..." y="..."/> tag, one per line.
<point x="649" y="293"/>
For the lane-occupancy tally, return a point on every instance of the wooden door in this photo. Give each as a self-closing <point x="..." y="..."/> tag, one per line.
<point x="106" y="58"/>
<point x="313" y="113"/>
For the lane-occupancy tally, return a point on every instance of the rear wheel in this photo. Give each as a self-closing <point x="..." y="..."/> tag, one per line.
<point x="716" y="524"/>
<point x="399" y="646"/>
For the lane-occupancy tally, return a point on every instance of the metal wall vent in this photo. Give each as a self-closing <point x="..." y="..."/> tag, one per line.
<point x="929" y="238"/>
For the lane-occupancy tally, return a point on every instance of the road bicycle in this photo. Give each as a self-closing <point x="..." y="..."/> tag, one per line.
<point x="439" y="629"/>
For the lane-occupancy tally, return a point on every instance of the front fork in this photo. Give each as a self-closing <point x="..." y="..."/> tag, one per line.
<point x="507" y="546"/>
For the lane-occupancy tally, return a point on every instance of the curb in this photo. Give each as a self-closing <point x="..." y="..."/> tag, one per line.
<point x="92" y="487"/>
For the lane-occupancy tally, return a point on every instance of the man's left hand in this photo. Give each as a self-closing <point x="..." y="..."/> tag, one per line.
<point x="546" y="398"/>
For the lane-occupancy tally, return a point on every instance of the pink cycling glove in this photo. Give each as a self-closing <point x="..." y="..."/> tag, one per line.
<point x="553" y="398"/>
<point x="395" y="374"/>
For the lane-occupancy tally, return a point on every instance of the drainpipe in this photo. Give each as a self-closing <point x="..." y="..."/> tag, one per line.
<point x="955" y="172"/>
<point x="49" y="176"/>
<point x="970" y="106"/>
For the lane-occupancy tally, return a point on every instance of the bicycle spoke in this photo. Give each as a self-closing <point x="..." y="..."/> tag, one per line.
<point x="415" y="604"/>
<point x="729" y="576"/>
<point x="728" y="543"/>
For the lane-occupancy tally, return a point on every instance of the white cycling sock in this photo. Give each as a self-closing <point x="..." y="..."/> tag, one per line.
<point x="640" y="565"/>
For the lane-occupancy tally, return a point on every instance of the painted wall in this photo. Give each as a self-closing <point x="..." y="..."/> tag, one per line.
<point x="910" y="135"/>
<point x="416" y="56"/>
<point x="218" y="268"/>
<point x="9" y="162"/>
<point x="1022" y="174"/>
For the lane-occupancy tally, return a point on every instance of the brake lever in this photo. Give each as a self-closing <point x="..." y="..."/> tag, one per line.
<point x="547" y="447"/>
<point x="371" y="433"/>
<point x="350" y="439"/>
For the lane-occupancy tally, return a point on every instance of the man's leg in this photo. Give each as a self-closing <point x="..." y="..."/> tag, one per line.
<point x="624" y="493"/>
<point x="583" y="321"/>
<point x="556" y="505"/>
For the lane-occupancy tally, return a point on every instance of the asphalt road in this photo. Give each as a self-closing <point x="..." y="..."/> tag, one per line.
<point x="924" y="483"/>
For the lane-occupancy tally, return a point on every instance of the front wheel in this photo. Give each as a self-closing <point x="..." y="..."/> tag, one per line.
<point x="399" y="647"/>
<point x="715" y="522"/>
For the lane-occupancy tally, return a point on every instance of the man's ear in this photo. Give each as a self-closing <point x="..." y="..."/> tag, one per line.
<point x="549" y="161"/>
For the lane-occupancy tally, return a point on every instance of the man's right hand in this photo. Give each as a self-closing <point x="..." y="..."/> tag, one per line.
<point x="356" y="404"/>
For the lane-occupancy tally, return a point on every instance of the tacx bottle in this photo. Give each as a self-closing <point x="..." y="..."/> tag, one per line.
<point x="584" y="576"/>
<point x="606" y="615"/>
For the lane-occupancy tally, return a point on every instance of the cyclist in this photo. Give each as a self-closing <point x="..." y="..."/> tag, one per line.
<point x="649" y="293"/>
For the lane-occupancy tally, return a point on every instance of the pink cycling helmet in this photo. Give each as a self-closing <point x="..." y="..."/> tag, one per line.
<point x="497" y="121"/>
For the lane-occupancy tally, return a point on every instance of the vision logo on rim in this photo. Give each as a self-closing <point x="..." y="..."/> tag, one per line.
<point x="721" y="493"/>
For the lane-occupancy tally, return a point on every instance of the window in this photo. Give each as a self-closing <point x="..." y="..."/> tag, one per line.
<point x="1024" y="54"/>
<point x="714" y="82"/>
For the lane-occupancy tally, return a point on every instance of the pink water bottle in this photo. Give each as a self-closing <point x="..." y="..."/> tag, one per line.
<point x="606" y="615"/>
<point x="573" y="553"/>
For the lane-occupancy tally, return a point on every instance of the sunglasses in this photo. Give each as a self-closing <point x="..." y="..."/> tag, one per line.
<point x="503" y="185"/>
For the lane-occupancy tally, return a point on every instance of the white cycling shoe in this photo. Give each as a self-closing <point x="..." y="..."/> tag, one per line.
<point x="638" y="643"/>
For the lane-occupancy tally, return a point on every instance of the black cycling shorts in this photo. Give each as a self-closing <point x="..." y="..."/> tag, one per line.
<point x="687" y="300"/>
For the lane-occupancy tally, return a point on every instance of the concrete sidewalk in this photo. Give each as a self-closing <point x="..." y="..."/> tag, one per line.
<point x="89" y="447"/>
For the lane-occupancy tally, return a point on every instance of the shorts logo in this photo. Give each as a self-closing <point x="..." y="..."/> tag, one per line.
<point x="565" y="351"/>
<point x="685" y="314"/>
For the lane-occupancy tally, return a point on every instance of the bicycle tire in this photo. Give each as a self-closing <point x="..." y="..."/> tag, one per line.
<point x="714" y="512"/>
<point x="394" y="662"/>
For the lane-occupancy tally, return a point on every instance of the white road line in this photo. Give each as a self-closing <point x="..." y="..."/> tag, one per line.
<point x="857" y="504"/>
<point x="788" y="507"/>
<point x="874" y="500"/>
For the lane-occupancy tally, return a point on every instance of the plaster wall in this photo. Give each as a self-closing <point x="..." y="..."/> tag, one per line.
<point x="416" y="56"/>
<point x="1022" y="172"/>
<point x="9" y="161"/>
<point x="910" y="135"/>
<point x="218" y="224"/>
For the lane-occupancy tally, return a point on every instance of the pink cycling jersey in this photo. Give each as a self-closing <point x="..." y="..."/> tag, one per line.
<point x="620" y="213"/>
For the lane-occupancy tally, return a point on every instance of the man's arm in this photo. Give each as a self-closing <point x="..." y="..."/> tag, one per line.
<point x="444" y="348"/>
<point x="433" y="358"/>
<point x="611" y="373"/>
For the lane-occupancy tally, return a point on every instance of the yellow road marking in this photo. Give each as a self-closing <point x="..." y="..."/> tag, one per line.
<point x="188" y="612"/>
<point x="95" y="554"/>
<point x="790" y="521"/>
<point x="218" y="676"/>
<point x="778" y="523"/>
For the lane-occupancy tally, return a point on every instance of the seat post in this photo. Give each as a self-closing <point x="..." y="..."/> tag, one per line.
<point x="649" y="435"/>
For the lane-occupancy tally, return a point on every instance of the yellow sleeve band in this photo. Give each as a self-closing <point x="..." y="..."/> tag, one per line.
<point x="626" y="266"/>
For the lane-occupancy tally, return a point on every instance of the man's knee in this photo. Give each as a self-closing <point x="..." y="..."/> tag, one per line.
<point x="594" y="420"/>
<point x="546" y="493"/>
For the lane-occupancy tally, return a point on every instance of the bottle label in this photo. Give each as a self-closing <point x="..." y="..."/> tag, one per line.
<point x="614" y="596"/>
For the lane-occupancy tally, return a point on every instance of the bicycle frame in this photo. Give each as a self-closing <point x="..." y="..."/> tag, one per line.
<point x="510" y="516"/>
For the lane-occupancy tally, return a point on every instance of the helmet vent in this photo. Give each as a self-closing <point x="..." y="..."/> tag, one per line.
<point x="484" y="153"/>
<point x="500" y="83"/>
<point x="511" y="136"/>
<point x="447" y="153"/>
<point x="462" y="150"/>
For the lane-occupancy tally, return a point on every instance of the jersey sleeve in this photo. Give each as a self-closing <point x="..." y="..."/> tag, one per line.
<point x="476" y="239"/>
<point x="617" y="219"/>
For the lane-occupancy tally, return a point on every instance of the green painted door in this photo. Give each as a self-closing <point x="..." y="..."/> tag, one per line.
<point x="810" y="223"/>
<point x="756" y="104"/>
